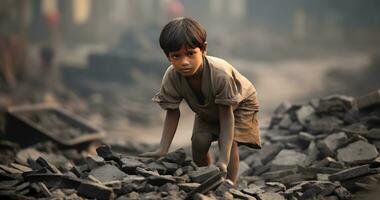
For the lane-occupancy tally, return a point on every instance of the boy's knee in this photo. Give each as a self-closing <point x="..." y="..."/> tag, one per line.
<point x="201" y="141"/>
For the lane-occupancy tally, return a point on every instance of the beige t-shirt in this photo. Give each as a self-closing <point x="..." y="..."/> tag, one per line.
<point x="221" y="84"/>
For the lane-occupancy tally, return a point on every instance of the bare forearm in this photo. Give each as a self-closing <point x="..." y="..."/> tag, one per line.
<point x="170" y="127"/>
<point x="226" y="133"/>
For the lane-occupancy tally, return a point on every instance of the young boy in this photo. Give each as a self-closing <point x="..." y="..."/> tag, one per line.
<point x="223" y="100"/>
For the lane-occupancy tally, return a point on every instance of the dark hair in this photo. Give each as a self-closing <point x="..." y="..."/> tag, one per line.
<point x="181" y="32"/>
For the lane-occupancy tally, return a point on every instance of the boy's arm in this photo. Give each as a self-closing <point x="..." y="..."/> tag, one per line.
<point x="226" y="121"/>
<point x="170" y="127"/>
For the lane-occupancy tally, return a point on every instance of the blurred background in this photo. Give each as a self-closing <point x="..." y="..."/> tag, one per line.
<point x="101" y="59"/>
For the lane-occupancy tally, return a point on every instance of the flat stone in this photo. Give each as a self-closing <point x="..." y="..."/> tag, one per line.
<point x="244" y="169"/>
<point x="22" y="168"/>
<point x="368" y="100"/>
<point x="312" y="153"/>
<point x="273" y="175"/>
<point x="373" y="134"/>
<point x="10" y="169"/>
<point x="44" y="163"/>
<point x="306" y="136"/>
<point x="253" y="160"/>
<point x="270" y="196"/>
<point x="93" y="190"/>
<point x="178" y="156"/>
<point x="23" y="155"/>
<point x="274" y="187"/>
<point x="187" y="187"/>
<point x="170" y="167"/>
<point x="350" y="173"/>
<point x="285" y="122"/>
<point x="332" y="141"/>
<point x="285" y="138"/>
<point x="129" y="165"/>
<point x="356" y="128"/>
<point x="94" y="161"/>
<point x="107" y="173"/>
<point x="295" y="128"/>
<point x="268" y="152"/>
<point x="326" y="124"/>
<point x="160" y="180"/>
<point x="146" y="173"/>
<point x="157" y="166"/>
<point x="241" y="195"/>
<point x="357" y="153"/>
<point x="283" y="108"/>
<point x="304" y="113"/>
<point x="203" y="173"/>
<point x="288" y="159"/>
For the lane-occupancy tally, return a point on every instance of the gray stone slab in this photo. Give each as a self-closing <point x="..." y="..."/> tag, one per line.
<point x="160" y="180"/>
<point x="145" y="172"/>
<point x="270" y="196"/>
<point x="288" y="159"/>
<point x="187" y="187"/>
<point x="244" y="169"/>
<point x="304" y="113"/>
<point x="268" y="152"/>
<point x="326" y="124"/>
<point x="203" y="173"/>
<point x="373" y="134"/>
<point x="108" y="173"/>
<point x="94" y="161"/>
<point x="241" y="195"/>
<point x="306" y="136"/>
<point x="350" y="173"/>
<point x="129" y="165"/>
<point x="285" y="122"/>
<point x="178" y="156"/>
<point x="368" y="100"/>
<point x="334" y="140"/>
<point x="93" y="190"/>
<point x="357" y="153"/>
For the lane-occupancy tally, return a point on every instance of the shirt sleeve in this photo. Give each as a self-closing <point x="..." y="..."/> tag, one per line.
<point x="168" y="97"/>
<point x="227" y="91"/>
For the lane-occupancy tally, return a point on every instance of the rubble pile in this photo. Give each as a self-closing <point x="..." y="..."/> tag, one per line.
<point x="325" y="149"/>
<point x="328" y="147"/>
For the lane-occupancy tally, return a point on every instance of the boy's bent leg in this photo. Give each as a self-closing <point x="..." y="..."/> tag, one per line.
<point x="200" y="144"/>
<point x="233" y="165"/>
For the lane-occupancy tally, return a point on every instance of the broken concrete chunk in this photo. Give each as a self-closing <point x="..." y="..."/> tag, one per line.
<point x="288" y="159"/>
<point x="203" y="173"/>
<point x="357" y="153"/>
<point x="107" y="173"/>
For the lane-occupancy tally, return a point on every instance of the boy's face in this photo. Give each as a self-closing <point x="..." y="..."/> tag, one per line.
<point x="186" y="61"/>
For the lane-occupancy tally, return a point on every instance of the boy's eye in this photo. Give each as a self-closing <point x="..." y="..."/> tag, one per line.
<point x="190" y="53"/>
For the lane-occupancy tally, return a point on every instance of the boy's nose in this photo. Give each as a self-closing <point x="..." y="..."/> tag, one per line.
<point x="185" y="62"/>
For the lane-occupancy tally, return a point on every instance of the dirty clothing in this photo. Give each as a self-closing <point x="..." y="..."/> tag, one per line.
<point x="222" y="84"/>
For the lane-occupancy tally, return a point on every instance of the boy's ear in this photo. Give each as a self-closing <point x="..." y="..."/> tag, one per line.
<point x="205" y="48"/>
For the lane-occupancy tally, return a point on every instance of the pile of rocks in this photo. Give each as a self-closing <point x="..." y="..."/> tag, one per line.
<point x="325" y="149"/>
<point x="328" y="147"/>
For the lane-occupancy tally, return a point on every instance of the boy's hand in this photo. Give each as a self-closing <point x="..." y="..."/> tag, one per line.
<point x="222" y="167"/>
<point x="154" y="154"/>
